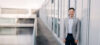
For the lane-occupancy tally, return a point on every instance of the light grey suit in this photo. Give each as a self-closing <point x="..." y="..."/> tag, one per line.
<point x="75" y="28"/>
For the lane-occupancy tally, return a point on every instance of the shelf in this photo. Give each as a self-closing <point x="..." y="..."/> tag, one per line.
<point x="24" y="30"/>
<point x="17" y="16"/>
<point x="8" y="20"/>
<point x="16" y="30"/>
<point x="7" y="31"/>
<point x="25" y="21"/>
<point x="16" y="25"/>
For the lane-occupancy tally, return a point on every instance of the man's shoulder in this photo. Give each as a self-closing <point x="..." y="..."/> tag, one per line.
<point x="77" y="19"/>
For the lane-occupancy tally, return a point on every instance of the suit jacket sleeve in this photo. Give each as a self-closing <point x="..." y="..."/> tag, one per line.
<point x="78" y="29"/>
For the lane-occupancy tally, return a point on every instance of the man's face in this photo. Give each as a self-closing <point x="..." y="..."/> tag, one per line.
<point x="71" y="12"/>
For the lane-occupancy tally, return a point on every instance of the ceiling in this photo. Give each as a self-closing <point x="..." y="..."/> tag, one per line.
<point x="27" y="4"/>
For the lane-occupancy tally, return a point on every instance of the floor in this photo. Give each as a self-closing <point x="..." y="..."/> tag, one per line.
<point x="45" y="37"/>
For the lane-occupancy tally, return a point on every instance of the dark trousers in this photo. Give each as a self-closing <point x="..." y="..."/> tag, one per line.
<point x="70" y="40"/>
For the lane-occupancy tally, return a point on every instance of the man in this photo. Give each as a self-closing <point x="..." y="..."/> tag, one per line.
<point x="71" y="28"/>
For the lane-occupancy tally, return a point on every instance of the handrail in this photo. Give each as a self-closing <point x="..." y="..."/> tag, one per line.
<point x="35" y="31"/>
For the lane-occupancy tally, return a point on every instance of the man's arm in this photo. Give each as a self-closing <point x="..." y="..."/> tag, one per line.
<point x="78" y="29"/>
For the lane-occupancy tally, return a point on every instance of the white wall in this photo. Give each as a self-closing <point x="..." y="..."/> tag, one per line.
<point x="94" y="32"/>
<point x="88" y="12"/>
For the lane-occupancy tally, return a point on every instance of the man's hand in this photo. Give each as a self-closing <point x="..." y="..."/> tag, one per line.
<point x="76" y="41"/>
<point x="64" y="40"/>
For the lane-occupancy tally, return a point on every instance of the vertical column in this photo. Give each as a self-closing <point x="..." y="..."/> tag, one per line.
<point x="85" y="22"/>
<point x="94" y="31"/>
<point x="61" y="15"/>
<point x="66" y="7"/>
<point x="50" y="15"/>
<point x="0" y="10"/>
<point x="72" y="3"/>
<point x="61" y="24"/>
<point x="53" y="15"/>
<point x="63" y="8"/>
<point x="79" y="9"/>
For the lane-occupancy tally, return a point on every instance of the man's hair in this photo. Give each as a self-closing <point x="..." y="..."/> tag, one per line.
<point x="71" y="9"/>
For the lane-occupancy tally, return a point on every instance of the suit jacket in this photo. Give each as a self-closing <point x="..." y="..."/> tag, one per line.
<point x="75" y="28"/>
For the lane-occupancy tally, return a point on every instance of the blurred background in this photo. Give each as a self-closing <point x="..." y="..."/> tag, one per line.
<point x="41" y="22"/>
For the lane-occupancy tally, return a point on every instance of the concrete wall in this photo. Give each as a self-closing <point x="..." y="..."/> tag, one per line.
<point x="86" y="10"/>
<point x="94" y="31"/>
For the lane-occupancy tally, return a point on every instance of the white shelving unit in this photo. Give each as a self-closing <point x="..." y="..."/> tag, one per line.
<point x="18" y="28"/>
<point x="14" y="23"/>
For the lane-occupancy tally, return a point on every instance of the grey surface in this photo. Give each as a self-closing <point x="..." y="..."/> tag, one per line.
<point x="26" y="21"/>
<point x="44" y="36"/>
<point x="24" y="30"/>
<point x="94" y="31"/>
